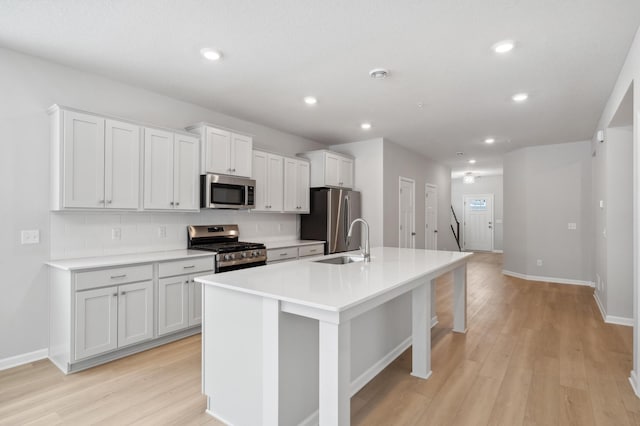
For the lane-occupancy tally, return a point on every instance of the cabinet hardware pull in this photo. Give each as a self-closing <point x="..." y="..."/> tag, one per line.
<point x="171" y="203"/>
<point x="233" y="170"/>
<point x="283" y="254"/>
<point x="178" y="203"/>
<point x="118" y="276"/>
<point x="189" y="267"/>
<point x="100" y="201"/>
<point x="122" y="293"/>
<point x="108" y="201"/>
<point x="313" y="251"/>
<point x="115" y="294"/>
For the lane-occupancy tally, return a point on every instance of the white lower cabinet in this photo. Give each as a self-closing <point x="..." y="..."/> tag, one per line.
<point x="294" y="252"/>
<point x="100" y="314"/>
<point x="113" y="317"/>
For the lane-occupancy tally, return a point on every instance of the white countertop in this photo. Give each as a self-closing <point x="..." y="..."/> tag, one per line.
<point x="337" y="287"/>
<point x="125" y="259"/>
<point x="291" y="243"/>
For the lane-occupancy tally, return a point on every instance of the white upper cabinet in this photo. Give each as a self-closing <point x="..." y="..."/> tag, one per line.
<point x="224" y="151"/>
<point x="170" y="171"/>
<point x="268" y="173"/>
<point x="95" y="162"/>
<point x="122" y="165"/>
<point x="330" y="169"/>
<point x="296" y="186"/>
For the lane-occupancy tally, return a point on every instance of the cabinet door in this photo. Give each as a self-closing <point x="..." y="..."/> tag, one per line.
<point x="331" y="167"/>
<point x="96" y="328"/>
<point x="186" y="182"/>
<point x="217" y="151"/>
<point x="241" y="147"/>
<point x="173" y="304"/>
<point x="259" y="174"/>
<point x="345" y="174"/>
<point x="158" y="169"/>
<point x="275" y="179"/>
<point x="290" y="185"/>
<point x="83" y="160"/>
<point x="135" y="313"/>
<point x="195" y="303"/>
<point x="122" y="165"/>
<point x="303" y="186"/>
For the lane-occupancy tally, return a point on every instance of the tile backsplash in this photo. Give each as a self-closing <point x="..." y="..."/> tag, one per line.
<point x="86" y="234"/>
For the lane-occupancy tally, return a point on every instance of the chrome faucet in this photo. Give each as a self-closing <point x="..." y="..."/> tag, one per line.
<point x="366" y="254"/>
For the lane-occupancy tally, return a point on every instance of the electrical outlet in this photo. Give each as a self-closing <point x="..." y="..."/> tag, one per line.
<point x="116" y="233"/>
<point x="31" y="236"/>
<point x="539" y="262"/>
<point x="572" y="226"/>
<point x="162" y="231"/>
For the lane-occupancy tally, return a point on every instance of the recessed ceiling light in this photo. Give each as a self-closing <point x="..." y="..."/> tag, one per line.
<point x="503" y="46"/>
<point x="489" y="140"/>
<point x="210" y="54"/>
<point x="378" y="73"/>
<point x="310" y="100"/>
<point x="365" y="126"/>
<point x="520" y="97"/>
<point x="472" y="161"/>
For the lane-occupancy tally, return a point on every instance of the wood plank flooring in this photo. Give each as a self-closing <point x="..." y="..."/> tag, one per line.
<point x="535" y="354"/>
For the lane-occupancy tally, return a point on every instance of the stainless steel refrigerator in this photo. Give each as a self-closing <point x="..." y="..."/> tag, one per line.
<point x="332" y="211"/>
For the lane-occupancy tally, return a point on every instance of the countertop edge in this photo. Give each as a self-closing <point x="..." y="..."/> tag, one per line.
<point x="79" y="264"/>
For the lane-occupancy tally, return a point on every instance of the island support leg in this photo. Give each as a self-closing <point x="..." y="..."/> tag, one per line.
<point x="421" y="330"/>
<point x="460" y="299"/>
<point x="335" y="374"/>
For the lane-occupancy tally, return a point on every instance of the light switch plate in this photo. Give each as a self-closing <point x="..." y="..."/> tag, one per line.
<point x="162" y="231"/>
<point x="116" y="233"/>
<point x="31" y="236"/>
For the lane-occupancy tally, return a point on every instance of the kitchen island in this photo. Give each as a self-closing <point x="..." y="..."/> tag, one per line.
<point x="291" y="343"/>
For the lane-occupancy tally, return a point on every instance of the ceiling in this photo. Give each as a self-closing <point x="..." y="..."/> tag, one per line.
<point x="567" y="57"/>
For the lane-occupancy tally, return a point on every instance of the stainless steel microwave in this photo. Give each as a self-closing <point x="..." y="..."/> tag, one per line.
<point x="226" y="192"/>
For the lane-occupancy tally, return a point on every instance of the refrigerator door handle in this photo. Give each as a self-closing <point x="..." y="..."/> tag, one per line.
<point x="346" y="221"/>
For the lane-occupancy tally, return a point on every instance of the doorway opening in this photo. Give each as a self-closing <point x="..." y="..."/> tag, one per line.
<point x="407" y="210"/>
<point x="431" y="217"/>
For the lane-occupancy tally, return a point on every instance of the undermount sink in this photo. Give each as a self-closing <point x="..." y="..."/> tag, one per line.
<point x="341" y="260"/>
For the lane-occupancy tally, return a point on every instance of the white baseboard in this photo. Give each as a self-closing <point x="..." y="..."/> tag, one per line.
<point x="548" y="279"/>
<point x="376" y="368"/>
<point x="364" y="378"/>
<point x="17" y="360"/>
<point x="600" y="307"/>
<point x="610" y="319"/>
<point x="434" y="321"/>
<point x="497" y="251"/>
<point x="633" y="379"/>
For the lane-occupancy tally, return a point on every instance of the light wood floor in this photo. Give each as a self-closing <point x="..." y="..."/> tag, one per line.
<point x="535" y="354"/>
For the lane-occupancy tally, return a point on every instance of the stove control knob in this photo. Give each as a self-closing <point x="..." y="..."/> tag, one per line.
<point x="244" y="254"/>
<point x="255" y="254"/>
<point x="228" y="256"/>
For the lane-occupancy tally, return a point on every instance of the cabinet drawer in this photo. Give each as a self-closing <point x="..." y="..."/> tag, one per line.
<point x="113" y="276"/>
<point x="187" y="266"/>
<point x="314" y="250"/>
<point x="282" y="254"/>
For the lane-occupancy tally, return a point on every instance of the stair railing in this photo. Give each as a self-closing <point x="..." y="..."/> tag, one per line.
<point x="455" y="228"/>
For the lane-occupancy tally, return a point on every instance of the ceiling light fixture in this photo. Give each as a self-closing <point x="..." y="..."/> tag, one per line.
<point x="489" y="140"/>
<point x="468" y="178"/>
<point x="365" y="126"/>
<point x="472" y="161"/>
<point x="378" y="73"/>
<point x="459" y="153"/>
<point x="210" y="54"/>
<point x="520" y="97"/>
<point x="504" y="46"/>
<point x="310" y="100"/>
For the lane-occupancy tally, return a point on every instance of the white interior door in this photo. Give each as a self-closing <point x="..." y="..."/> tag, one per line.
<point x="431" y="217"/>
<point x="407" y="213"/>
<point x="478" y="222"/>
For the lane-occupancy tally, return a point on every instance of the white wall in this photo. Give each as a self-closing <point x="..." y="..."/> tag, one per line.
<point x="545" y="189"/>
<point x="399" y="161"/>
<point x="482" y="185"/>
<point x="368" y="180"/>
<point x="29" y="86"/>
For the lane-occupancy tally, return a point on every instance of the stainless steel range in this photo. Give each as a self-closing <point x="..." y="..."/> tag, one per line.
<point x="231" y="254"/>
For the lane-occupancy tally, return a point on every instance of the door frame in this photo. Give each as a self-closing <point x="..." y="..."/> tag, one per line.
<point x="464" y="219"/>
<point x="413" y="224"/>
<point x="426" y="187"/>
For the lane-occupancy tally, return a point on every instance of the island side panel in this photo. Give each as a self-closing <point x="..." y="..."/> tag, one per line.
<point x="460" y="299"/>
<point x="233" y="355"/>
